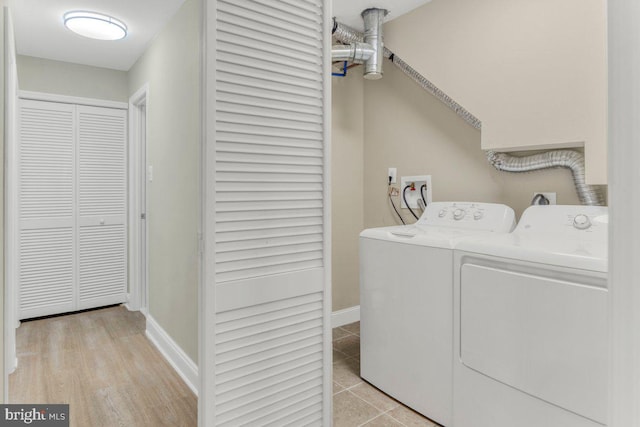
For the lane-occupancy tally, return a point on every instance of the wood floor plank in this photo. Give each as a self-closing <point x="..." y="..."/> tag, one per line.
<point x="101" y="363"/>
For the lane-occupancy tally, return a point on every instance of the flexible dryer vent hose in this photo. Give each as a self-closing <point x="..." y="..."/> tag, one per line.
<point x="588" y="194"/>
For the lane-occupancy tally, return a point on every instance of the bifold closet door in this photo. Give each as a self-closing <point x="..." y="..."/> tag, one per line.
<point x="46" y="198"/>
<point x="102" y="209"/>
<point x="72" y="207"/>
<point x="272" y="357"/>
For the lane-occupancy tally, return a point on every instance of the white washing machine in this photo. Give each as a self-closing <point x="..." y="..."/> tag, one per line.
<point x="530" y="322"/>
<point x="406" y="302"/>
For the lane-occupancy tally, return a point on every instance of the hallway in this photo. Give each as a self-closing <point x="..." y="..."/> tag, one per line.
<point x="102" y="364"/>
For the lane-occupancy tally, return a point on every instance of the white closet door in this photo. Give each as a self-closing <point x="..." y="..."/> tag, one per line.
<point x="102" y="209"/>
<point x="72" y="207"/>
<point x="271" y="320"/>
<point x="46" y="250"/>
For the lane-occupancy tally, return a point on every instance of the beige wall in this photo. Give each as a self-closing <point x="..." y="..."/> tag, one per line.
<point x="171" y="66"/>
<point x="534" y="72"/>
<point x="407" y="128"/>
<point x="64" y="78"/>
<point x="347" y="198"/>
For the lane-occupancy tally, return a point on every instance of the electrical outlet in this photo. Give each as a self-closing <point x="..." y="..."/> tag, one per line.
<point x="550" y="196"/>
<point x="394" y="192"/>
<point x="393" y="173"/>
<point x="413" y="195"/>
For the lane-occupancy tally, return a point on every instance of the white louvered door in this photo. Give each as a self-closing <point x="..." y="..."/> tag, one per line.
<point x="269" y="250"/>
<point x="71" y="196"/>
<point x="46" y="211"/>
<point x="102" y="210"/>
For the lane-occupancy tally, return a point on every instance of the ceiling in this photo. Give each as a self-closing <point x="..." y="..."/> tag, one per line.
<point x="40" y="31"/>
<point x="348" y="11"/>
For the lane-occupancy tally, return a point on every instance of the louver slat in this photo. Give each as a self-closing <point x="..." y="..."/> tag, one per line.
<point x="269" y="213"/>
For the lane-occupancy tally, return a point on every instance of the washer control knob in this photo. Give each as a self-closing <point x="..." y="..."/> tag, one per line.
<point x="478" y="215"/>
<point x="458" y="214"/>
<point x="442" y="213"/>
<point x="581" y="222"/>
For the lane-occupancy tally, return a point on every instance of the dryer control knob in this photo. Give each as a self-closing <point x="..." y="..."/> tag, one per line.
<point x="581" y="222"/>
<point x="458" y="214"/>
<point x="442" y="213"/>
<point x="478" y="215"/>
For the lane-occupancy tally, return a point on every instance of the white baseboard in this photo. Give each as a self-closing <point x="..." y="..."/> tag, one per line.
<point x="177" y="358"/>
<point x="14" y="366"/>
<point x="345" y="316"/>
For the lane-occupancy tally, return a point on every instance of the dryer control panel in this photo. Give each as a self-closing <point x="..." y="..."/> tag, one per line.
<point x="469" y="215"/>
<point x="565" y="220"/>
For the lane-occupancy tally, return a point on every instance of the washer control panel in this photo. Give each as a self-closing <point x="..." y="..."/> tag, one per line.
<point x="469" y="215"/>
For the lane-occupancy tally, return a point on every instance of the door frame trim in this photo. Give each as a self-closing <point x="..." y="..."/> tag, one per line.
<point x="11" y="322"/>
<point x="138" y="292"/>
<point x="77" y="100"/>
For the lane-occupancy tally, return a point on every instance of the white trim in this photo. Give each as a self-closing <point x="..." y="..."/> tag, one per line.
<point x="177" y="358"/>
<point x="65" y="99"/>
<point x="11" y="321"/>
<point x="138" y="292"/>
<point x="345" y="316"/>
<point x="624" y="202"/>
<point x="207" y="288"/>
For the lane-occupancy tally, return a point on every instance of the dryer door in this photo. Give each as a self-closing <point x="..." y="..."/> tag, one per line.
<point x="544" y="336"/>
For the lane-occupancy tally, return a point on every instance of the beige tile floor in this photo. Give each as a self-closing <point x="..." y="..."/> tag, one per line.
<point x="356" y="402"/>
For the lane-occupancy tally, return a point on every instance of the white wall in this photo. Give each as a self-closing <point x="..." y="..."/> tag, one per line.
<point x="64" y="78"/>
<point x="171" y="66"/>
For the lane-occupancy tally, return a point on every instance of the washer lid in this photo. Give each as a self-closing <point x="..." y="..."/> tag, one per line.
<point x="437" y="237"/>
<point x="565" y="236"/>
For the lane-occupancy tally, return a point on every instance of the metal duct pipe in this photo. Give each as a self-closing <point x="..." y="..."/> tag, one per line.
<point x="354" y="52"/>
<point x="373" y="36"/>
<point x="588" y="194"/>
<point x="346" y="34"/>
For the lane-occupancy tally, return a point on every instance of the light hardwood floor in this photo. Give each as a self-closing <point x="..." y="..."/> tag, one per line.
<point x="100" y="363"/>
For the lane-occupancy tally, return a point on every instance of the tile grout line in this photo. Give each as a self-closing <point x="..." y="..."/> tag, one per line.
<point x="381" y="414"/>
<point x="394" y="418"/>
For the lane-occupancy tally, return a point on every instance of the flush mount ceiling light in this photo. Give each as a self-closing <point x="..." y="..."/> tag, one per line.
<point x="95" y="25"/>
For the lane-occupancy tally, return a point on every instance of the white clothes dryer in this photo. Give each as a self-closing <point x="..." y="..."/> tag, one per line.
<point x="530" y="322"/>
<point x="406" y="302"/>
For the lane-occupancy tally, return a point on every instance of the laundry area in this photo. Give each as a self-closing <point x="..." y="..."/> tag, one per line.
<point x="320" y="213"/>
<point x="480" y="279"/>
